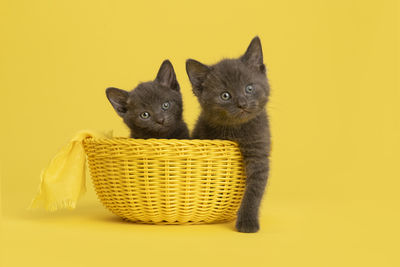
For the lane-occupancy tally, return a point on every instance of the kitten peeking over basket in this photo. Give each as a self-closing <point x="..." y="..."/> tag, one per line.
<point x="233" y="94"/>
<point x="153" y="109"/>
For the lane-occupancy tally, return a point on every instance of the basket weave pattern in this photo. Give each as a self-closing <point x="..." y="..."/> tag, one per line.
<point x="163" y="181"/>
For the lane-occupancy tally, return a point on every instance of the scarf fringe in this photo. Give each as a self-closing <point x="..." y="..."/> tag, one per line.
<point x="64" y="204"/>
<point x="54" y="206"/>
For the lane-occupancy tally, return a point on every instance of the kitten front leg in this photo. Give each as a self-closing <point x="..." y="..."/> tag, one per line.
<point x="257" y="168"/>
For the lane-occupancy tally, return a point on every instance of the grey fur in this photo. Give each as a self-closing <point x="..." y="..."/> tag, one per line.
<point x="149" y="97"/>
<point x="242" y="118"/>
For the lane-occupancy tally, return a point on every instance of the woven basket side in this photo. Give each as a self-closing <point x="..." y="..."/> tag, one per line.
<point x="168" y="182"/>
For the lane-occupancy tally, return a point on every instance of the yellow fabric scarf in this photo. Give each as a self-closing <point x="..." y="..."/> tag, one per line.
<point x="64" y="179"/>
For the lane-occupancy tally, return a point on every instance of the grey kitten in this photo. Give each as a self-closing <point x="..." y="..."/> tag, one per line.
<point x="153" y="109"/>
<point x="233" y="95"/>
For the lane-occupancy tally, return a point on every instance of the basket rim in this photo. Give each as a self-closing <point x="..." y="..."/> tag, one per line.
<point x="154" y="141"/>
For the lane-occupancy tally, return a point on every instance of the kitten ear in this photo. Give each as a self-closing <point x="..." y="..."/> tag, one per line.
<point x="118" y="99"/>
<point x="166" y="76"/>
<point x="197" y="73"/>
<point x="254" y="55"/>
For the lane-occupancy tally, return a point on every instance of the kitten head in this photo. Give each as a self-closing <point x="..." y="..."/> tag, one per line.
<point x="152" y="109"/>
<point x="233" y="91"/>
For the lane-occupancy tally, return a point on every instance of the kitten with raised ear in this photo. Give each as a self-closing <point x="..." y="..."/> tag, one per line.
<point x="153" y="109"/>
<point x="233" y="95"/>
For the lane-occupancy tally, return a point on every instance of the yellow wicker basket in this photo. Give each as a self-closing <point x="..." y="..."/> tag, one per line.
<point x="162" y="181"/>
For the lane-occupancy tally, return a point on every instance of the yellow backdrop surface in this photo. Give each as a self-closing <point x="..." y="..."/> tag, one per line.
<point x="333" y="193"/>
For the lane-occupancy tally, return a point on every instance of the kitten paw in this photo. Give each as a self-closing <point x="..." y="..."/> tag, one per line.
<point x="246" y="224"/>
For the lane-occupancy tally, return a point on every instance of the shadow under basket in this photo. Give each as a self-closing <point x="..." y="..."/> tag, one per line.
<point x="167" y="181"/>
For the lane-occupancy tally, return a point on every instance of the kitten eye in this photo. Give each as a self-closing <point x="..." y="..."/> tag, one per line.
<point x="145" y="115"/>
<point x="165" y="106"/>
<point x="249" y="89"/>
<point x="225" y="96"/>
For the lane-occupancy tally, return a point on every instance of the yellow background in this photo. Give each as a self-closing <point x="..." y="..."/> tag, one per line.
<point x="333" y="195"/>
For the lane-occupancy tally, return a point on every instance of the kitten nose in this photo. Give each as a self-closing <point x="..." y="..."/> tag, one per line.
<point x="242" y="103"/>
<point x="160" y="120"/>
